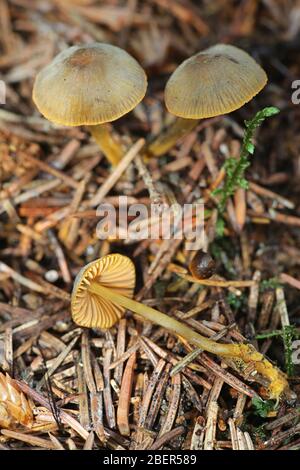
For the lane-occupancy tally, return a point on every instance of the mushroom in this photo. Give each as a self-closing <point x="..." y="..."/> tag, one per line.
<point x="103" y="289"/>
<point x="213" y="82"/>
<point x="91" y="85"/>
<point x="89" y="309"/>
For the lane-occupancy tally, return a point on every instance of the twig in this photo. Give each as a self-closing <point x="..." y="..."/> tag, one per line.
<point x="53" y="171"/>
<point x="169" y="436"/>
<point x="65" y="417"/>
<point x="116" y="174"/>
<point x="29" y="439"/>
<point x="217" y="282"/>
<point x="121" y="342"/>
<point x="157" y="398"/>
<point x="155" y="377"/>
<point x="82" y="398"/>
<point x="107" y="393"/>
<point x="211" y="426"/>
<point x="174" y="400"/>
<point x="124" y="397"/>
<point x="58" y="361"/>
<point x="154" y="194"/>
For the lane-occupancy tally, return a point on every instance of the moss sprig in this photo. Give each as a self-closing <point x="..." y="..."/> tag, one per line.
<point x="235" y="168"/>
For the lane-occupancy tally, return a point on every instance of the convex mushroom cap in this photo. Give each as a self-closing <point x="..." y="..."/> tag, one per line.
<point x="215" y="81"/>
<point x="114" y="271"/>
<point x="89" y="85"/>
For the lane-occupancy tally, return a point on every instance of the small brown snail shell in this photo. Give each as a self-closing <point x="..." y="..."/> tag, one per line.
<point x="202" y="265"/>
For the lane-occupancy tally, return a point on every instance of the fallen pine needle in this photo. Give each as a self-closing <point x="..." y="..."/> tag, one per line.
<point x="65" y="417"/>
<point x="117" y="173"/>
<point x="287" y="279"/>
<point x="124" y="398"/>
<point x="217" y="282"/>
<point x="29" y="439"/>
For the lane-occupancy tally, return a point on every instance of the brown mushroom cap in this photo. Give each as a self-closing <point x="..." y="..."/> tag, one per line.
<point x="215" y="81"/>
<point x="115" y="272"/>
<point x="89" y="85"/>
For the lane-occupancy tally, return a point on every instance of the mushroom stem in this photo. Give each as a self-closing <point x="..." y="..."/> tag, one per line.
<point x="161" y="319"/>
<point x="241" y="353"/>
<point x="173" y="133"/>
<point x="109" y="146"/>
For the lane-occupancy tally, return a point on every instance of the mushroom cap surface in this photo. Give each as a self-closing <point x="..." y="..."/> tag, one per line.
<point x="215" y="81"/>
<point x="88" y="85"/>
<point x="114" y="271"/>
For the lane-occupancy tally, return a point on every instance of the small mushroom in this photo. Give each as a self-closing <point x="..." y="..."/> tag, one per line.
<point x="115" y="272"/>
<point x="91" y="85"/>
<point x="213" y="82"/>
<point x="103" y="290"/>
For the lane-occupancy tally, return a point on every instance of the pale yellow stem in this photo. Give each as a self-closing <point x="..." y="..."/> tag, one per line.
<point x="149" y="313"/>
<point x="245" y="352"/>
<point x="173" y="133"/>
<point x="109" y="146"/>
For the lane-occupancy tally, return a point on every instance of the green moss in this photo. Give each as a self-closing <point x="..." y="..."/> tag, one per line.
<point x="235" y="168"/>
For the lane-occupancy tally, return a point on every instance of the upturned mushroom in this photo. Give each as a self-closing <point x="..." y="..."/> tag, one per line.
<point x="103" y="289"/>
<point x="91" y="85"/>
<point x="213" y="82"/>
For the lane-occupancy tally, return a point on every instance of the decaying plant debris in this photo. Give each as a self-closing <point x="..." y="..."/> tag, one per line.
<point x="136" y="386"/>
